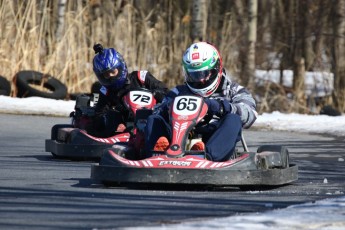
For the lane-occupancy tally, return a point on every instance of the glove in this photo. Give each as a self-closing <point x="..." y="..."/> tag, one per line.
<point x="214" y="106"/>
<point x="218" y="107"/>
<point x="158" y="95"/>
<point x="157" y="109"/>
<point x="162" y="107"/>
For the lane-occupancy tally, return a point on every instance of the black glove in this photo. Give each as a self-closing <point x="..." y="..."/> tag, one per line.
<point x="214" y="106"/>
<point x="163" y="107"/>
<point x="218" y="107"/>
<point x="158" y="95"/>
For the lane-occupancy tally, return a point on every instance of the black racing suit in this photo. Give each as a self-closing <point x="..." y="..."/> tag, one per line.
<point x="110" y="110"/>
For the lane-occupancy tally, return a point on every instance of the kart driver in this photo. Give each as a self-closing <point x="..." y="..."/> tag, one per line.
<point x="230" y="105"/>
<point x="111" y="71"/>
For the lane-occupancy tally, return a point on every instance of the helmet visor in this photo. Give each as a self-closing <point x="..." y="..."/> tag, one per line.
<point x="111" y="77"/>
<point x="111" y="73"/>
<point x="201" y="79"/>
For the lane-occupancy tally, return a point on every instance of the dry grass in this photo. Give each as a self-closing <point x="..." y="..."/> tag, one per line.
<point x="29" y="41"/>
<point x="154" y="40"/>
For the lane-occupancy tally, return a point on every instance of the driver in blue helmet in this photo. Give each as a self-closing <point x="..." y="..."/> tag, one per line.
<point x="111" y="71"/>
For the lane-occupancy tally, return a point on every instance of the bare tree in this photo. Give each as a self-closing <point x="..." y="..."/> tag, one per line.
<point x="251" y="39"/>
<point x="306" y="16"/>
<point x="321" y="28"/>
<point x="339" y="54"/>
<point x="199" y="19"/>
<point x="298" y="55"/>
<point x="247" y="56"/>
<point x="242" y="20"/>
<point x="95" y="21"/>
<point x="60" y="19"/>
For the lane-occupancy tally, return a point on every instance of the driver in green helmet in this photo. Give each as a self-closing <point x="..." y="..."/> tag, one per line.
<point x="230" y="105"/>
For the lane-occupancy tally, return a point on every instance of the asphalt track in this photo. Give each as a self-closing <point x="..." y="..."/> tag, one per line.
<point x="40" y="192"/>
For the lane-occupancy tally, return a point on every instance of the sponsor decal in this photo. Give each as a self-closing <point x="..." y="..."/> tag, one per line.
<point x="179" y="129"/>
<point x="117" y="138"/>
<point x="104" y="90"/>
<point x="182" y="117"/>
<point x="195" y="56"/>
<point x="175" y="163"/>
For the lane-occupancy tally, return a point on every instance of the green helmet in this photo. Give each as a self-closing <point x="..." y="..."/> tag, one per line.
<point x="202" y="67"/>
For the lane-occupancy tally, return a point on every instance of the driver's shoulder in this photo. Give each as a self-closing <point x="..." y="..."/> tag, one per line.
<point x="139" y="75"/>
<point x="181" y="89"/>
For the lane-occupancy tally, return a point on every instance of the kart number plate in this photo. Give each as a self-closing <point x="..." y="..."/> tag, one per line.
<point x="186" y="105"/>
<point x="140" y="98"/>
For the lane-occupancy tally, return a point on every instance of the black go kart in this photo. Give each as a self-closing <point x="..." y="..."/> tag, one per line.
<point x="268" y="166"/>
<point x="67" y="141"/>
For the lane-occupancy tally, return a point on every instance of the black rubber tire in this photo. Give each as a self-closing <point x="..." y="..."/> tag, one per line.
<point x="283" y="150"/>
<point x="26" y="77"/>
<point x="55" y="129"/>
<point x="330" y="111"/>
<point x="5" y="86"/>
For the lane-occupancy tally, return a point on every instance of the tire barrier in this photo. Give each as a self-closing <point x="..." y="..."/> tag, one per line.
<point x="51" y="87"/>
<point x="5" y="86"/>
<point x="330" y="111"/>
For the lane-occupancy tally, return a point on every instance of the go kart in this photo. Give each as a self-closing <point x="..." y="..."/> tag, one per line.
<point x="67" y="141"/>
<point x="268" y="166"/>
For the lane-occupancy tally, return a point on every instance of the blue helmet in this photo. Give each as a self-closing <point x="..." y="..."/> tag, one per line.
<point x="107" y="60"/>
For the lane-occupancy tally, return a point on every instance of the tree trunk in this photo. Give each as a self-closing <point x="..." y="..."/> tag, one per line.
<point x="321" y="29"/>
<point x="199" y="20"/>
<point x="298" y="58"/>
<point x="249" y="67"/>
<point x="61" y="19"/>
<point x="306" y="30"/>
<point x="339" y="55"/>
<point x="284" y="35"/>
<point x="96" y="22"/>
<point x="298" y="83"/>
<point x="240" y="13"/>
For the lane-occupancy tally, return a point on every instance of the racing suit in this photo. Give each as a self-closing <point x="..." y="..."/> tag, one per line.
<point x="110" y="110"/>
<point x="223" y="131"/>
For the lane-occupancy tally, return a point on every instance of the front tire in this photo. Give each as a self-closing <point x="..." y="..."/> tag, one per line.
<point x="282" y="150"/>
<point x="55" y="129"/>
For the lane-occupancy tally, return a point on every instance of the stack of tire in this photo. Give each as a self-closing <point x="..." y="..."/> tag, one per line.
<point x="5" y="86"/>
<point x="53" y="87"/>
